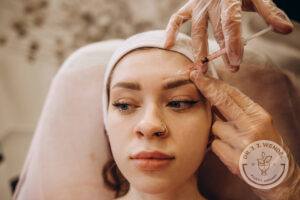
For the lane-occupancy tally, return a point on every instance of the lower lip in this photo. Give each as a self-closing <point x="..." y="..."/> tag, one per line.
<point x="152" y="164"/>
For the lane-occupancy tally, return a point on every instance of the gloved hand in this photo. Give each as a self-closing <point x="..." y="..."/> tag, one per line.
<point x="244" y="122"/>
<point x="225" y="17"/>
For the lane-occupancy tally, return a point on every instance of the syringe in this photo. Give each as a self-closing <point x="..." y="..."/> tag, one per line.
<point x="220" y="52"/>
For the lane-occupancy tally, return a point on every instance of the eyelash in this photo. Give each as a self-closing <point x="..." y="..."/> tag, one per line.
<point x="188" y="103"/>
<point x="119" y="106"/>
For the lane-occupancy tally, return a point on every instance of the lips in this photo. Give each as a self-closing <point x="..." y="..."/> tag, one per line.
<point x="151" y="161"/>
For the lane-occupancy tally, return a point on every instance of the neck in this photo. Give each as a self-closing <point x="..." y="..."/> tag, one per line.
<point x="188" y="190"/>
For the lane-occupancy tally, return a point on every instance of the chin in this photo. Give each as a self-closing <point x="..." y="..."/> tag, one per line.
<point x="152" y="185"/>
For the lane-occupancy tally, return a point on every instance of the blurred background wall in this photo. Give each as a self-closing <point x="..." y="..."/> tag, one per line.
<point x="35" y="37"/>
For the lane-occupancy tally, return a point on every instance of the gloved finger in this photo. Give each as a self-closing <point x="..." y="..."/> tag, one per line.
<point x="200" y="39"/>
<point x="229" y="133"/>
<point x="228" y="155"/>
<point x="273" y="15"/>
<point x="175" y="22"/>
<point x="231" y="16"/>
<point x="215" y="19"/>
<point x="216" y="93"/>
<point x="252" y="109"/>
<point x="226" y="131"/>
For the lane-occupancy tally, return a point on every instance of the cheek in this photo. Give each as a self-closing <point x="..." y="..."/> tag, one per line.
<point x="118" y="134"/>
<point x="195" y="124"/>
<point x="116" y="125"/>
<point x="191" y="135"/>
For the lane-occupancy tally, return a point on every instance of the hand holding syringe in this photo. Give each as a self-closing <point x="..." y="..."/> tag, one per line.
<point x="221" y="52"/>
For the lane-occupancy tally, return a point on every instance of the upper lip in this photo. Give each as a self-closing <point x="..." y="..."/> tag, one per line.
<point x="151" y="155"/>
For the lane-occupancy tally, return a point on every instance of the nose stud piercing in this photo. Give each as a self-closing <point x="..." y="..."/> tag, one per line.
<point x="163" y="132"/>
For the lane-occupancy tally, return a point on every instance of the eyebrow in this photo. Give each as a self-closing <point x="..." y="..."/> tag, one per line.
<point x="166" y="86"/>
<point x="176" y="83"/>
<point x="128" y="85"/>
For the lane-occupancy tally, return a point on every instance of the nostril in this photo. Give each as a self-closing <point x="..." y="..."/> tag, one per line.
<point x="147" y="129"/>
<point x="157" y="134"/>
<point x="140" y="133"/>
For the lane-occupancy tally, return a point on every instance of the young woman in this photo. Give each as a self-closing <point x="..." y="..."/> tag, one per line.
<point x="157" y="122"/>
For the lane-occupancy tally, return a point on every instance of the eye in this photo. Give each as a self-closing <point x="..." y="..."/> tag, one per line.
<point x="124" y="106"/>
<point x="181" y="104"/>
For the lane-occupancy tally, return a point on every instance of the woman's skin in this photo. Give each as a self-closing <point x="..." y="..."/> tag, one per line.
<point x="146" y="96"/>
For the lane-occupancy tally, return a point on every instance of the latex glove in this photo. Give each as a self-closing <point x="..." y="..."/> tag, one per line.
<point x="225" y="17"/>
<point x="244" y="122"/>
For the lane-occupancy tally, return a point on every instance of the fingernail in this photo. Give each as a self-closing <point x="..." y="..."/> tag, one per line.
<point x="234" y="60"/>
<point x="234" y="63"/>
<point x="283" y="20"/>
<point x="281" y="23"/>
<point x="167" y="44"/>
<point x="204" y="68"/>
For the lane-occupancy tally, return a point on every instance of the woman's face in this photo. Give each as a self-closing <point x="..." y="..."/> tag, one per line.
<point x="152" y="108"/>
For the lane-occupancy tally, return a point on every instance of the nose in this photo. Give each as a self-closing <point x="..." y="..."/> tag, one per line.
<point x="151" y="124"/>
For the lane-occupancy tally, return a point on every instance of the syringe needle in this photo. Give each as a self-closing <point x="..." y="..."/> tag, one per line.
<point x="220" y="52"/>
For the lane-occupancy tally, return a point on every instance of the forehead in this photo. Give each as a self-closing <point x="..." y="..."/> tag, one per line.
<point x="151" y="63"/>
